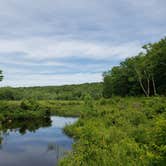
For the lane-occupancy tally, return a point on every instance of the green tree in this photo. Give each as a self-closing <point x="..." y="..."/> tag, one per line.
<point x="1" y="75"/>
<point x="8" y="93"/>
<point x="142" y="74"/>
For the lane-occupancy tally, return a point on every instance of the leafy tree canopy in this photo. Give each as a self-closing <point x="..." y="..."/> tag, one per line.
<point x="142" y="74"/>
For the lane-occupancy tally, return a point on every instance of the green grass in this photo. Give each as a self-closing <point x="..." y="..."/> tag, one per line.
<point x="20" y="110"/>
<point x="120" y="131"/>
<point x="31" y="109"/>
<point x="72" y="108"/>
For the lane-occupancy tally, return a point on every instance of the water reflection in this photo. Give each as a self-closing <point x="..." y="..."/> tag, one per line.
<point x="25" y="126"/>
<point x="40" y="142"/>
<point x="59" y="150"/>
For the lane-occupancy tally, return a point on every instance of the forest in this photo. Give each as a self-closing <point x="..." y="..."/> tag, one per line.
<point x="66" y="92"/>
<point x="122" y="120"/>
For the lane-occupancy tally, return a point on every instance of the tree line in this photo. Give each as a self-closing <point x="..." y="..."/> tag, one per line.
<point x="66" y="92"/>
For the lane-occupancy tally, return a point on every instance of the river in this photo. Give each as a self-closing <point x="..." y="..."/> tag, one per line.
<point x="35" y="143"/>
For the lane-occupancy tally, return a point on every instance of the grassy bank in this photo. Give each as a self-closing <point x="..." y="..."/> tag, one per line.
<point x="72" y="108"/>
<point x="120" y="131"/>
<point x="31" y="109"/>
<point x="21" y="110"/>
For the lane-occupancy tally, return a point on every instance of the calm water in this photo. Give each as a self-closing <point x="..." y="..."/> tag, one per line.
<point x="35" y="143"/>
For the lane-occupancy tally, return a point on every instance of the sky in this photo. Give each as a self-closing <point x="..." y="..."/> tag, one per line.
<point x="57" y="42"/>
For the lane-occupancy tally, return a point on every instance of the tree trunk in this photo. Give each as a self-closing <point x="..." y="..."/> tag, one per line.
<point x="141" y="84"/>
<point x="148" y="86"/>
<point x="154" y="86"/>
<point x="148" y="83"/>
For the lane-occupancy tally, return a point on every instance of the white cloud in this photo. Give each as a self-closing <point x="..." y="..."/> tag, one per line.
<point x="39" y="48"/>
<point x="35" y="49"/>
<point x="59" y="79"/>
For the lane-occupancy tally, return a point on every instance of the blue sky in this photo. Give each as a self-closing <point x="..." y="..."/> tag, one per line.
<point x="56" y="42"/>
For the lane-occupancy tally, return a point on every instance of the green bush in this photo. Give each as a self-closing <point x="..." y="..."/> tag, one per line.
<point x="30" y="104"/>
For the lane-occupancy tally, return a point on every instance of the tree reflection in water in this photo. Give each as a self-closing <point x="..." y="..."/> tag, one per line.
<point x="1" y="140"/>
<point x="22" y="127"/>
<point x="34" y="142"/>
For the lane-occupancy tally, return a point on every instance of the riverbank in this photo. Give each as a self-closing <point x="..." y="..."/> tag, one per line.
<point x="32" y="109"/>
<point x="21" y="110"/>
<point x="120" y="131"/>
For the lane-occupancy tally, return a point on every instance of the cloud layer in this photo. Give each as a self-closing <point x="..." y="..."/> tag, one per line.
<point x="64" y="42"/>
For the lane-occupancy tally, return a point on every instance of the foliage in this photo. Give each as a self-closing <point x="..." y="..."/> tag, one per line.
<point x="142" y="74"/>
<point x="123" y="131"/>
<point x="30" y="104"/>
<point x="32" y="109"/>
<point x="1" y="75"/>
<point x="8" y="93"/>
<point x="24" y="110"/>
<point x="88" y="101"/>
<point x="72" y="108"/>
<point x="66" y="92"/>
